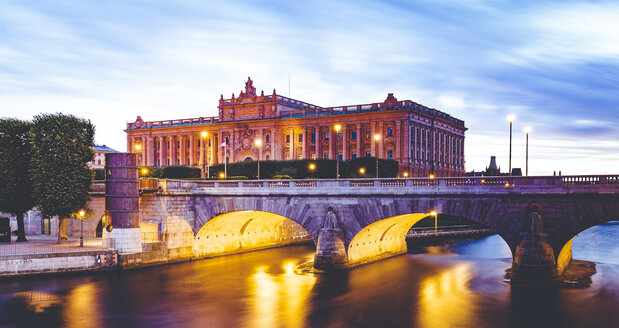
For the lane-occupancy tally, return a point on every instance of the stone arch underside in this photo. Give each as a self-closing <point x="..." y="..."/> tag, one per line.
<point x="383" y="238"/>
<point x="241" y="231"/>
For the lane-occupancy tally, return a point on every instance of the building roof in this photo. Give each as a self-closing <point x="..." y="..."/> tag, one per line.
<point x="104" y="148"/>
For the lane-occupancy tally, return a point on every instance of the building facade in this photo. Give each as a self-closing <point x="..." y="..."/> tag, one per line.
<point x="424" y="141"/>
<point x="98" y="161"/>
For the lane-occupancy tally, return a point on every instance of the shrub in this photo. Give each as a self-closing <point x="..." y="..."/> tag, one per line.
<point x="99" y="174"/>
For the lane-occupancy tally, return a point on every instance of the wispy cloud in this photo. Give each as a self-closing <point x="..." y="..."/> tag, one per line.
<point x="553" y="64"/>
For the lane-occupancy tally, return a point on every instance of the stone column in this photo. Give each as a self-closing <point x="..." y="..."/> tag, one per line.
<point x="161" y="143"/>
<point x="304" y="144"/>
<point x="381" y="142"/>
<point x="202" y="150"/>
<point x="344" y="142"/>
<point x="122" y="203"/>
<point x="182" y="150"/>
<point x="192" y="150"/>
<point x="318" y="143"/>
<point x="398" y="135"/>
<point x="291" y="144"/>
<point x="372" y="141"/>
<point x="359" y="142"/>
<point x="130" y="144"/>
<point x="150" y="152"/>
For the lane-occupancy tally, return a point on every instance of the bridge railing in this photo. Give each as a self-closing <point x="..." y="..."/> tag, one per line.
<point x="189" y="186"/>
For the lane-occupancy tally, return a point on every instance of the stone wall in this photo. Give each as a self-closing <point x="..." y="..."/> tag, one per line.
<point x="57" y="262"/>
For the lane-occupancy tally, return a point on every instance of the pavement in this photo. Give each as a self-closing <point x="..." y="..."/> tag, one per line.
<point x="42" y="244"/>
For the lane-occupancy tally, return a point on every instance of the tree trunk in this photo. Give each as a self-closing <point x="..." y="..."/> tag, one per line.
<point x="62" y="230"/>
<point x="21" y="232"/>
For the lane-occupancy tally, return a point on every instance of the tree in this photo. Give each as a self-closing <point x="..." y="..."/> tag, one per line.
<point x="60" y="178"/>
<point x="15" y="183"/>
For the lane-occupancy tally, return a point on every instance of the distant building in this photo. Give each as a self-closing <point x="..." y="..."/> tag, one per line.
<point x="98" y="161"/>
<point x="423" y="140"/>
<point x="491" y="170"/>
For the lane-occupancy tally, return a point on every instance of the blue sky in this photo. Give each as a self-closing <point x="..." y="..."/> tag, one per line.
<point x="555" y="65"/>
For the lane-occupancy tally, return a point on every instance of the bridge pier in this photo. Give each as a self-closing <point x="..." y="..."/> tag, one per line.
<point x="534" y="261"/>
<point x="330" y="248"/>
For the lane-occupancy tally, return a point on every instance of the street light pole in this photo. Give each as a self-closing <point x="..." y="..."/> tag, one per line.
<point x="204" y="154"/>
<point x="337" y="150"/>
<point x="377" y="138"/>
<point x="258" y="145"/>
<point x="435" y="215"/>
<point x="82" y="213"/>
<point x="510" y="117"/>
<point x="527" y="130"/>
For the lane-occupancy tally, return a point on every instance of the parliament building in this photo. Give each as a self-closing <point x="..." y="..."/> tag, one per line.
<point x="424" y="141"/>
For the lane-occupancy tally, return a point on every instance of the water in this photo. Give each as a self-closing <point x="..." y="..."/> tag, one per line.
<point x="456" y="285"/>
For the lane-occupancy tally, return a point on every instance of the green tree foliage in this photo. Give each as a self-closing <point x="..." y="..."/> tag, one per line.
<point x="15" y="184"/>
<point x="60" y="150"/>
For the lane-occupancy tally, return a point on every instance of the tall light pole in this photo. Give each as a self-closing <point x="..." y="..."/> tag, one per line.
<point x="377" y="137"/>
<point x="337" y="150"/>
<point x="258" y="143"/>
<point x="204" y="154"/>
<point x="510" y="118"/>
<point x="527" y="130"/>
<point x="82" y="213"/>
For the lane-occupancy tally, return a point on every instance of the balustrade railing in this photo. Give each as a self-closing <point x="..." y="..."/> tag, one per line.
<point x="169" y="185"/>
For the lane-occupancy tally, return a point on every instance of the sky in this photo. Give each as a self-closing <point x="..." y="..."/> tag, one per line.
<point x="554" y="65"/>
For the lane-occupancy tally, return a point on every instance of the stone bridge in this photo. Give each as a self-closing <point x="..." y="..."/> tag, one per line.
<point x="362" y="220"/>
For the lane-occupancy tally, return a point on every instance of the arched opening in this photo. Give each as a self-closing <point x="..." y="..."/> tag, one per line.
<point x="595" y="244"/>
<point x="103" y="222"/>
<point x="383" y="238"/>
<point x="248" y="159"/>
<point x="388" y="237"/>
<point x="242" y="231"/>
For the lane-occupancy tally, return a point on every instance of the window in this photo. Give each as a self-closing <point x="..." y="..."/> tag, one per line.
<point x="99" y="162"/>
<point x="268" y="157"/>
<point x="314" y="156"/>
<point x="325" y="155"/>
<point x="368" y="133"/>
<point x="389" y="154"/>
<point x="340" y="135"/>
<point x="326" y="135"/>
<point x="368" y="154"/>
<point x="340" y="156"/>
<point x="354" y="155"/>
<point x="287" y="139"/>
<point x="300" y="156"/>
<point x="267" y="138"/>
<point x="389" y="132"/>
<point x="313" y="136"/>
<point x="227" y="140"/>
<point x="300" y="138"/>
<point x="354" y="135"/>
<point x="287" y="156"/>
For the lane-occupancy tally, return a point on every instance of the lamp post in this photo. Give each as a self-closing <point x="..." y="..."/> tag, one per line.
<point x="337" y="150"/>
<point x="377" y="138"/>
<point x="204" y="154"/>
<point x="258" y="143"/>
<point x="527" y="130"/>
<point x="82" y="213"/>
<point x="312" y="168"/>
<point x="435" y="222"/>
<point x="510" y="118"/>
<point x="362" y="171"/>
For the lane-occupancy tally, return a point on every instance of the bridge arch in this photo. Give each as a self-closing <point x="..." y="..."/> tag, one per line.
<point x="241" y="231"/>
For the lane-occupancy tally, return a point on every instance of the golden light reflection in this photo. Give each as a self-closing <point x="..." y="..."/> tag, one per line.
<point x="81" y="307"/>
<point x="446" y="300"/>
<point x="38" y="301"/>
<point x="279" y="299"/>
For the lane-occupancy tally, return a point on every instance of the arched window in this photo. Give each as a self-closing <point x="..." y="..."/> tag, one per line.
<point x="267" y="138"/>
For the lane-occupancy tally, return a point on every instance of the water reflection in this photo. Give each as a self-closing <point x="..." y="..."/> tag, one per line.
<point x="462" y="287"/>
<point x="446" y="300"/>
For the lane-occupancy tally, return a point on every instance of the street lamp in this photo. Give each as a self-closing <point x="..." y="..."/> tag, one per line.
<point x="258" y="143"/>
<point x="138" y="149"/>
<point x="81" y="214"/>
<point x="527" y="130"/>
<point x="406" y="174"/>
<point x="362" y="171"/>
<point x="377" y="137"/>
<point x="144" y="171"/>
<point x="204" y="155"/>
<point x="337" y="151"/>
<point x="510" y="118"/>
<point x="435" y="215"/>
<point x="312" y="168"/>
